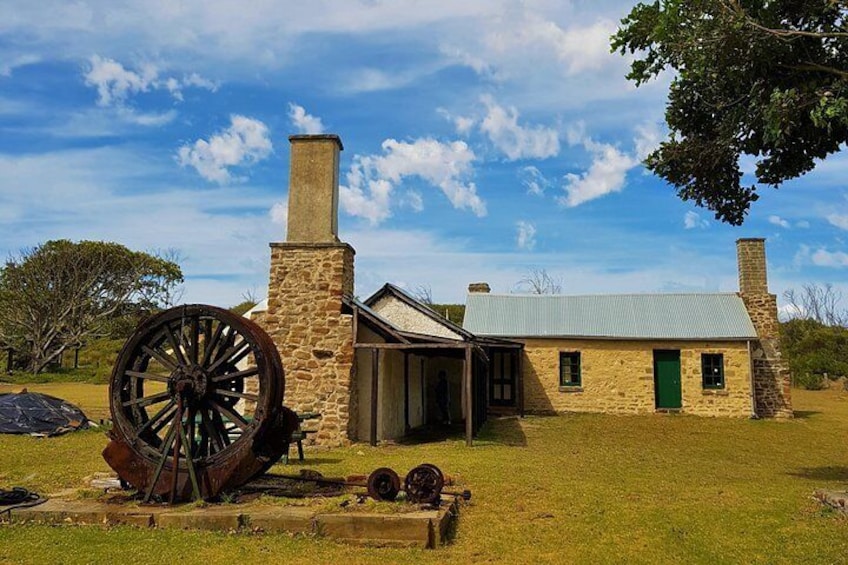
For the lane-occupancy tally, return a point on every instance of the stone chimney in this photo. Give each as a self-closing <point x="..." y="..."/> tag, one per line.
<point x="314" y="189"/>
<point x="751" y="256"/>
<point x="311" y="272"/>
<point x="772" y="380"/>
<point x="479" y="287"/>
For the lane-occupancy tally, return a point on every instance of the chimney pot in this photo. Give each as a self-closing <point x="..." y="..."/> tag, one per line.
<point x="479" y="287"/>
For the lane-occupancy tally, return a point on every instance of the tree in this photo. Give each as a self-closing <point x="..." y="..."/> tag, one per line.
<point x="821" y="303"/>
<point x="756" y="78"/>
<point x="60" y="294"/>
<point x="539" y="281"/>
<point x="424" y="294"/>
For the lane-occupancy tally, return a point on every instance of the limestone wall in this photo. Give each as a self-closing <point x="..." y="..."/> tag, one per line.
<point x="314" y="338"/>
<point x="772" y="380"/>
<point x="618" y="377"/>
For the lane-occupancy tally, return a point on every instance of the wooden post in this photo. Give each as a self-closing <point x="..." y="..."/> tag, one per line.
<point x="520" y="382"/>
<point x="469" y="404"/>
<point x="375" y="371"/>
<point x="76" y="358"/>
<point x="405" y="391"/>
<point x="9" y="360"/>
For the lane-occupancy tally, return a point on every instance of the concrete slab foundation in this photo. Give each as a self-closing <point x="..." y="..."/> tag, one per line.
<point x="424" y="528"/>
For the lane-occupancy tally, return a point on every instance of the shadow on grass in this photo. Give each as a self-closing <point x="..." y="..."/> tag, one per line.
<point x="831" y="473"/>
<point x="504" y="431"/>
<point x="804" y="414"/>
<point x="307" y="461"/>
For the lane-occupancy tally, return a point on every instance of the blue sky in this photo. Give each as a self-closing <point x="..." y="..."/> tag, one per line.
<point x="482" y="139"/>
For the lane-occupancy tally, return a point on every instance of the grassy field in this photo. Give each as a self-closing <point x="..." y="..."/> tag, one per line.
<point x="569" y="489"/>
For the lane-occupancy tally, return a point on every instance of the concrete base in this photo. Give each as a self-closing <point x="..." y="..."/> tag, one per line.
<point x="425" y="528"/>
<point x="835" y="499"/>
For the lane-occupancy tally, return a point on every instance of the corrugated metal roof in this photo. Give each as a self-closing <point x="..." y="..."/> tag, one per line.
<point x="635" y="316"/>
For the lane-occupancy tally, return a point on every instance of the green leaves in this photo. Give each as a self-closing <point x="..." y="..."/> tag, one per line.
<point x="61" y="293"/>
<point x="764" y="79"/>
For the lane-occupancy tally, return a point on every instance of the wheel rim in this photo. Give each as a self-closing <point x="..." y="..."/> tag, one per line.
<point x="194" y="387"/>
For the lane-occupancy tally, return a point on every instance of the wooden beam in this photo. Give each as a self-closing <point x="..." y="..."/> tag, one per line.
<point x="469" y="404"/>
<point x="411" y="345"/>
<point x="405" y="391"/>
<point x="375" y="372"/>
<point x="520" y="382"/>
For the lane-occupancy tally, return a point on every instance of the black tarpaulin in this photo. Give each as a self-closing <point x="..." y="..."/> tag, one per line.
<point x="35" y="413"/>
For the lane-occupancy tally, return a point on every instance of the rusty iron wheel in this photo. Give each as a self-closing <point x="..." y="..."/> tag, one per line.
<point x="423" y="484"/>
<point x="383" y="484"/>
<point x="196" y="400"/>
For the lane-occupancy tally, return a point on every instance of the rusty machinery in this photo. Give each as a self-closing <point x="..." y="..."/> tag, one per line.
<point x="196" y="397"/>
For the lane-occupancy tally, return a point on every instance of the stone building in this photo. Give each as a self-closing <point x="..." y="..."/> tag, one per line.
<point x="706" y="354"/>
<point x="370" y="367"/>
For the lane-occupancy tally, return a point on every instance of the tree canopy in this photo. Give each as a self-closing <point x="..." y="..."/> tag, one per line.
<point x="762" y="78"/>
<point x="61" y="293"/>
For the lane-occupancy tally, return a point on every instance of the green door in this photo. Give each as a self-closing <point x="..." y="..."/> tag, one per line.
<point x="667" y="378"/>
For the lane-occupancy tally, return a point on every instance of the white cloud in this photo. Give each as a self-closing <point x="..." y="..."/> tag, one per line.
<point x="8" y="67"/>
<point x="778" y="221"/>
<point x="533" y="180"/>
<point x="244" y="142"/>
<point x="803" y="224"/>
<point x="608" y="171"/>
<point x="526" y="235"/>
<point x="115" y="83"/>
<point x="605" y="175"/>
<point x="578" y="48"/>
<point x="516" y="141"/>
<point x="824" y="258"/>
<point x="372" y="178"/>
<point x="462" y="124"/>
<point x="692" y="220"/>
<point x="838" y="220"/>
<point x="279" y="213"/>
<point x="305" y="123"/>
<point x="414" y="200"/>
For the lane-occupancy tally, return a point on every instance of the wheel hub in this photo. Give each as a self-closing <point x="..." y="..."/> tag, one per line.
<point x="191" y="383"/>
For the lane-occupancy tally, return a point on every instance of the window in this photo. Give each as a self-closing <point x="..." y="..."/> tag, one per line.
<point x="569" y="369"/>
<point x="712" y="370"/>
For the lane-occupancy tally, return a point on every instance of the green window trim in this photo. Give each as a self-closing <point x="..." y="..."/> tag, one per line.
<point x="569" y="369"/>
<point x="712" y="371"/>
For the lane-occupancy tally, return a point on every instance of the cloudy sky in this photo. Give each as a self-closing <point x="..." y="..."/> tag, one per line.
<point x="483" y="138"/>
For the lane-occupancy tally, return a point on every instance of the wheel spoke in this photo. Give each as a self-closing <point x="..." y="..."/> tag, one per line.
<point x="148" y="400"/>
<point x="232" y="415"/>
<point x="232" y="355"/>
<point x="253" y="371"/>
<point x="236" y="394"/>
<point x="169" y="438"/>
<point x="212" y="434"/>
<point x="162" y="415"/>
<point x="166" y="360"/>
<point x="175" y="345"/>
<point x="211" y="344"/>
<point x="147" y="376"/>
<point x="193" y="339"/>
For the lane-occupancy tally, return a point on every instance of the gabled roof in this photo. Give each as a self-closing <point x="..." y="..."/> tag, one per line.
<point x="390" y="291"/>
<point x="622" y="316"/>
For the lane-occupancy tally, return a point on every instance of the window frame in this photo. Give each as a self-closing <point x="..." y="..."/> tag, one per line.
<point x="712" y="358"/>
<point x="571" y="356"/>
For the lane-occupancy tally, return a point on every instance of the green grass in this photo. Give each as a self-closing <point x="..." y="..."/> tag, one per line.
<point x="95" y="366"/>
<point x="570" y="489"/>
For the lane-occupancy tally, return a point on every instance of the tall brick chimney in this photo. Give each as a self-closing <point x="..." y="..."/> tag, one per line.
<point x="310" y="274"/>
<point x="772" y="380"/>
